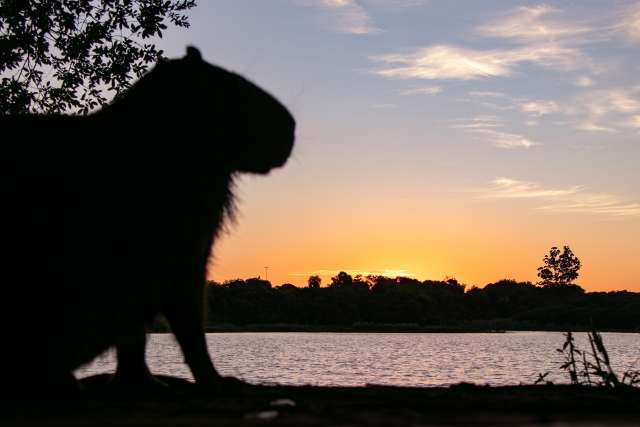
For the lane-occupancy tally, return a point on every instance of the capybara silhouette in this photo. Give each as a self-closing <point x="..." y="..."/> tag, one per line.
<point x="108" y="219"/>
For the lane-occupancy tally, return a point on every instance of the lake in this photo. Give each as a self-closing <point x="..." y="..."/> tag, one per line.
<point x="355" y="359"/>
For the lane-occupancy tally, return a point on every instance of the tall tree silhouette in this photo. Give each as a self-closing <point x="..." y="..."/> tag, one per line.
<point x="57" y="55"/>
<point x="560" y="268"/>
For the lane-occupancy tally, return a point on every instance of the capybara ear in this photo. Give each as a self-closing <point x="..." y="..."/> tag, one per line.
<point x="193" y="54"/>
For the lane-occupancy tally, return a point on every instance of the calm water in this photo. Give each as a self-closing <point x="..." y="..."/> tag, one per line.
<point x="398" y="359"/>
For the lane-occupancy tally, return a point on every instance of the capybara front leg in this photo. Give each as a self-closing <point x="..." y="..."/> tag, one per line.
<point x="185" y="313"/>
<point x="132" y="371"/>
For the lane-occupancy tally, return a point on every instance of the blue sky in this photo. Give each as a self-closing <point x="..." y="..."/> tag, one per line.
<point x="432" y="129"/>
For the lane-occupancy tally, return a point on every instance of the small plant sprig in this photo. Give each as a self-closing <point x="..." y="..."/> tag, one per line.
<point x="570" y="353"/>
<point x="602" y="367"/>
<point x="591" y="368"/>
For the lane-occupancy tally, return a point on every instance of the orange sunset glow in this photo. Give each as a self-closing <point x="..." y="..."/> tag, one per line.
<point x="473" y="240"/>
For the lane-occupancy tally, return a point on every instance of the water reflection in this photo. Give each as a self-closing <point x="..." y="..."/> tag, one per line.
<point x="395" y="359"/>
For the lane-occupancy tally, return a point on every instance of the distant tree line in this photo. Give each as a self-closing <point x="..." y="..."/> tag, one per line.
<point x="403" y="303"/>
<point x="378" y="303"/>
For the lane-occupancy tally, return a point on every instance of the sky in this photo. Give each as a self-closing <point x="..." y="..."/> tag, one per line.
<point x="436" y="138"/>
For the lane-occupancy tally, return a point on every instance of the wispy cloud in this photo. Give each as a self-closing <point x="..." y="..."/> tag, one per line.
<point x="506" y="140"/>
<point x="490" y="129"/>
<point x="633" y="122"/>
<point x="539" y="108"/>
<point x="507" y="188"/>
<point x="596" y="204"/>
<point x="531" y="24"/>
<point x="352" y="16"/>
<point x="480" y="122"/>
<point x="532" y="107"/>
<point x="528" y="24"/>
<point x="604" y="102"/>
<point x="605" y="110"/>
<point x="455" y="63"/>
<point x="494" y="100"/>
<point x="584" y="81"/>
<point x="346" y="16"/>
<point x="575" y="199"/>
<point x="631" y="23"/>
<point x="590" y="126"/>
<point x="424" y="90"/>
<point x="487" y="94"/>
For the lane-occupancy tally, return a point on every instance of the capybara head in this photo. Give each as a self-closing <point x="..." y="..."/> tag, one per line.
<point x="225" y="117"/>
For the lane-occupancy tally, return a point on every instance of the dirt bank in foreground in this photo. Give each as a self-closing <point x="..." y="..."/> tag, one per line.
<point x="353" y="406"/>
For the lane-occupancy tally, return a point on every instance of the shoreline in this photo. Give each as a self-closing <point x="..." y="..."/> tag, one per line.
<point x="404" y="329"/>
<point x="246" y="405"/>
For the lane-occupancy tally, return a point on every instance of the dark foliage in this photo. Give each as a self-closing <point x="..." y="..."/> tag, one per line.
<point x="60" y="55"/>
<point x="378" y="300"/>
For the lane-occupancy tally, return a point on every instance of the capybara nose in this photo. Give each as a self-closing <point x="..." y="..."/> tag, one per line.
<point x="286" y="138"/>
<point x="290" y="130"/>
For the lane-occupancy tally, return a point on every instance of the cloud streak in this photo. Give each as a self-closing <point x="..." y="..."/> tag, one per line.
<point x="576" y="199"/>
<point x="489" y="129"/>
<point x="633" y="122"/>
<point x="507" y="188"/>
<point x="455" y="63"/>
<point x="605" y="110"/>
<point x="531" y="24"/>
<point x="347" y="16"/>
<point x="539" y="108"/>
<point x="481" y="122"/>
<point x="424" y="90"/>
<point x="528" y="24"/>
<point x="631" y="23"/>
<point x="584" y="81"/>
<point x="507" y="140"/>
<point x="487" y="94"/>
